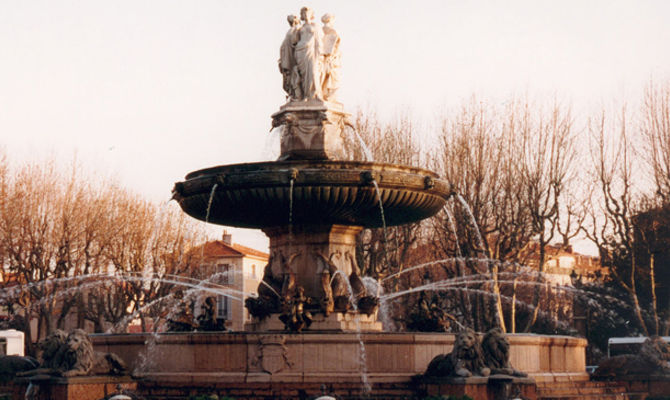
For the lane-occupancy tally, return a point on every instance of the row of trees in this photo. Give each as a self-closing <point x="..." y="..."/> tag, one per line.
<point x="529" y="175"/>
<point x="61" y="231"/>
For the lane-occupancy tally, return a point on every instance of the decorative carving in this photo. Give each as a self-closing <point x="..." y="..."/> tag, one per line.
<point x="276" y="288"/>
<point x="465" y="359"/>
<point x="495" y="348"/>
<point x="207" y="320"/>
<point x="288" y="288"/>
<point x="652" y="359"/>
<point x="273" y="353"/>
<point x="365" y="302"/>
<point x="295" y="316"/>
<point x="182" y="320"/>
<point x="270" y="285"/>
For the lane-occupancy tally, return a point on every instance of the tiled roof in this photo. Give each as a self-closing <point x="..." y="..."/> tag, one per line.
<point x="219" y="248"/>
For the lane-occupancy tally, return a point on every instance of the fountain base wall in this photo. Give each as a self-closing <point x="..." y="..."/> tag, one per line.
<point x="336" y="322"/>
<point x="253" y="363"/>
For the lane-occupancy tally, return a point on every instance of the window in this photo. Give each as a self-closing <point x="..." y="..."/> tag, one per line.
<point x="226" y="274"/>
<point x="253" y="271"/>
<point x="223" y="308"/>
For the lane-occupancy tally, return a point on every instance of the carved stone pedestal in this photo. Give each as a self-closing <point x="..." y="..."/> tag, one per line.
<point x="494" y="387"/>
<point x="43" y="387"/>
<point x="321" y="260"/>
<point x="301" y="245"/>
<point x="312" y="130"/>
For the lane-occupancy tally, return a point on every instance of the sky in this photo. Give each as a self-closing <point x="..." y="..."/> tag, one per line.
<point x="147" y="91"/>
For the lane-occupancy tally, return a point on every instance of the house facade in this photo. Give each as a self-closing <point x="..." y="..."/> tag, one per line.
<point x="236" y="270"/>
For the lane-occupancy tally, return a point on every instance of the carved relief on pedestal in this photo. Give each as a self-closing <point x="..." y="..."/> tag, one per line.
<point x="273" y="353"/>
<point x="311" y="130"/>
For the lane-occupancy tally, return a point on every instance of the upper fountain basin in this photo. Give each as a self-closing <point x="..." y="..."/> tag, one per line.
<point x="260" y="195"/>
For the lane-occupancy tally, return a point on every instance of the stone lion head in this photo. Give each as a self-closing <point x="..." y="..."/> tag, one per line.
<point x="79" y="354"/>
<point x="495" y="348"/>
<point x="51" y="346"/>
<point x="466" y="345"/>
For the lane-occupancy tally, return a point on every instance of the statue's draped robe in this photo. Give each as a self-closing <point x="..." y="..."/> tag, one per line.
<point x="331" y="68"/>
<point x="287" y="63"/>
<point x="308" y="58"/>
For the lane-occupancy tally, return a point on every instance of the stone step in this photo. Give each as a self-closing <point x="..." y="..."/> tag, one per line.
<point x="584" y="390"/>
<point x="588" y="397"/>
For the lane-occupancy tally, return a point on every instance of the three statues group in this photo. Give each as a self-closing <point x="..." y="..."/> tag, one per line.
<point x="309" y="58"/>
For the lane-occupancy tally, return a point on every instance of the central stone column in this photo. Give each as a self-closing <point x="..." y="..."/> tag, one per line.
<point x="303" y="245"/>
<point x="321" y="260"/>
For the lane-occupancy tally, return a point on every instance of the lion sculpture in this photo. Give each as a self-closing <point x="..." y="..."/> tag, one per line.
<point x="73" y="355"/>
<point x="495" y="348"/>
<point x="80" y="359"/>
<point x="465" y="359"/>
<point x="652" y="359"/>
<point x="52" y="348"/>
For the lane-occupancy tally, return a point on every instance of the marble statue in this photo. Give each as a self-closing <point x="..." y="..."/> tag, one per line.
<point x="308" y="56"/>
<point x="287" y="62"/>
<point x="331" y="58"/>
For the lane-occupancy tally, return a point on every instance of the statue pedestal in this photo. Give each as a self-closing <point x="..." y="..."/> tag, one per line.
<point x="312" y="130"/>
<point x="493" y="387"/>
<point x="47" y="387"/>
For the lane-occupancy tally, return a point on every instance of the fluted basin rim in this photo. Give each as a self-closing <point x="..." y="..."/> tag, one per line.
<point x="260" y="195"/>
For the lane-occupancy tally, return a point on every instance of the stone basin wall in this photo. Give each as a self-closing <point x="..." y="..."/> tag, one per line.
<point x="320" y="358"/>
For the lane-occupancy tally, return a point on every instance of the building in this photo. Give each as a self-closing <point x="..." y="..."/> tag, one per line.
<point x="561" y="263"/>
<point x="237" y="267"/>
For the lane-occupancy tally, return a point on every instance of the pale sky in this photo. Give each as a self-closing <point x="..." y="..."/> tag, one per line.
<point x="150" y="90"/>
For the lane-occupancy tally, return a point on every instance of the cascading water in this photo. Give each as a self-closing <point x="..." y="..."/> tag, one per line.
<point x="454" y="231"/>
<point x="357" y="138"/>
<point x="209" y="202"/>
<point x="472" y="223"/>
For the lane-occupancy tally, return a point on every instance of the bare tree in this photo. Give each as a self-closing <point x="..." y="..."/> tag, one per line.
<point x="82" y="249"/>
<point x="612" y="225"/>
<point x="511" y="168"/>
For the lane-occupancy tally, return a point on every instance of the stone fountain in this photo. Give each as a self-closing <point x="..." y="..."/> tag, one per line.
<point x="311" y="202"/>
<point x="314" y="319"/>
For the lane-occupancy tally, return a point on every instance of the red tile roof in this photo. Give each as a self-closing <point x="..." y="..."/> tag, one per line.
<point x="218" y="248"/>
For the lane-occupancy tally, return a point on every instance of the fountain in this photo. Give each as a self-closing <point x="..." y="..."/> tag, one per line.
<point x="314" y="327"/>
<point x="312" y="202"/>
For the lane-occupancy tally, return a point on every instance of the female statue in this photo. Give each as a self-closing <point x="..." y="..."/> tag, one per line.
<point x="287" y="63"/>
<point x="331" y="62"/>
<point x="308" y="56"/>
